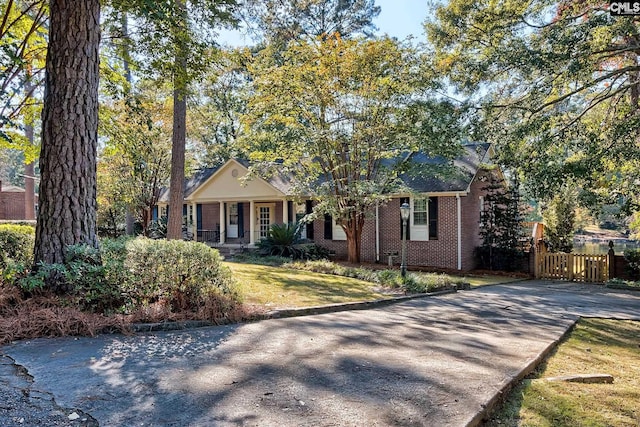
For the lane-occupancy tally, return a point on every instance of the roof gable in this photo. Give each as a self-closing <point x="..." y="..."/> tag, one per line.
<point x="227" y="182"/>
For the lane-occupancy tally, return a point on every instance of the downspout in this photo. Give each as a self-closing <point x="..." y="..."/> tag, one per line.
<point x="459" y="231"/>
<point x="377" y="234"/>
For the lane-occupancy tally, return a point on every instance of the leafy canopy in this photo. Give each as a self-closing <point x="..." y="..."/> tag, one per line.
<point x="557" y="85"/>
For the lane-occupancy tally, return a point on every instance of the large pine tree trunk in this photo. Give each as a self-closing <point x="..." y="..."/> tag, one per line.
<point x="67" y="204"/>
<point x="178" y="141"/>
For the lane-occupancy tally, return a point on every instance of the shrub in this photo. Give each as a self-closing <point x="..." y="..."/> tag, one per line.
<point x="182" y="274"/>
<point x="282" y="240"/>
<point x="501" y="259"/>
<point x="423" y="282"/>
<point x="632" y="256"/>
<point x="16" y="249"/>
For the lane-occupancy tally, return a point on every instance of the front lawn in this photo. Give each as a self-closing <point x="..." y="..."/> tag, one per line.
<point x="277" y="287"/>
<point x="596" y="346"/>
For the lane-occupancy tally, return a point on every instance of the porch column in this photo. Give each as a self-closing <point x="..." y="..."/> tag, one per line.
<point x="285" y="211"/>
<point x="252" y="222"/>
<point x="223" y="225"/>
<point x="194" y="221"/>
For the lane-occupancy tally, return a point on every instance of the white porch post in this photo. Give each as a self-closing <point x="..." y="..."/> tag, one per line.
<point x="285" y="211"/>
<point x="194" y="219"/>
<point x="223" y="225"/>
<point x="252" y="222"/>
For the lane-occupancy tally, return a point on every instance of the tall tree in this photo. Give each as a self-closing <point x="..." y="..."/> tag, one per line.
<point x="179" y="137"/>
<point x="22" y="50"/>
<point x="280" y="21"/>
<point x="340" y="116"/>
<point x="558" y="83"/>
<point x="178" y="35"/>
<point x="67" y="198"/>
<point x="134" y="162"/>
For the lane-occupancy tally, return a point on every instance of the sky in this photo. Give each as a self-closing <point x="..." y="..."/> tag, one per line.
<point x="398" y="18"/>
<point x="401" y="18"/>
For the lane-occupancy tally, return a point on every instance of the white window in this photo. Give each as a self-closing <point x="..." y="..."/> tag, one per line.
<point x="301" y="212"/>
<point x="338" y="231"/>
<point x="424" y="219"/>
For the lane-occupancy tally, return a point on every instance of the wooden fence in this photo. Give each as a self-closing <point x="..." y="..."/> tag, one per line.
<point x="576" y="267"/>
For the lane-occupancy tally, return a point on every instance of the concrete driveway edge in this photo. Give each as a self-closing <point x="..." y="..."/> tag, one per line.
<point x="506" y="387"/>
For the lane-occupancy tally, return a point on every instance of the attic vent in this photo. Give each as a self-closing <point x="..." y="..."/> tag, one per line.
<point x="234" y="173"/>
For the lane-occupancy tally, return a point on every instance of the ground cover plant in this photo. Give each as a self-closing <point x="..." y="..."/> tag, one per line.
<point x="594" y="346"/>
<point x="413" y="283"/>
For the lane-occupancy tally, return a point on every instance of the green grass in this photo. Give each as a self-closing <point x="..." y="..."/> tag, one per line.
<point x="596" y="346"/>
<point x="276" y="287"/>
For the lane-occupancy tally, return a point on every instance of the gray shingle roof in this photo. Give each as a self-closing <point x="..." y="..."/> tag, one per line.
<point x="437" y="174"/>
<point x="426" y="175"/>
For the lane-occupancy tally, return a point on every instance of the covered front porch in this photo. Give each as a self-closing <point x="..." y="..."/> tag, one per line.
<point x="239" y="223"/>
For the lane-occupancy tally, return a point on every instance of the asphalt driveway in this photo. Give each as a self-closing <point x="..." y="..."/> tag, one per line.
<point x="430" y="361"/>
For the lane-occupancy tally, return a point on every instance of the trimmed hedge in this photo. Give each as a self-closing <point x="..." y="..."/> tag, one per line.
<point x="16" y="249"/>
<point x="183" y="273"/>
<point x="127" y="274"/>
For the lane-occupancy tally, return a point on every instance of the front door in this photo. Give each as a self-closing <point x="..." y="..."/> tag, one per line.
<point x="264" y="221"/>
<point x="232" y="220"/>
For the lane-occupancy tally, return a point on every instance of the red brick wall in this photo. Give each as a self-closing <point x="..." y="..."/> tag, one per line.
<point x="440" y="253"/>
<point x="210" y="216"/>
<point x="12" y="205"/>
<point x="471" y="222"/>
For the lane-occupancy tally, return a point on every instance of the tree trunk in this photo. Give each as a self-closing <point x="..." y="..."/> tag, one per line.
<point x="354" y="237"/>
<point x="67" y="204"/>
<point x="29" y="168"/>
<point x="176" y="190"/>
<point x="126" y="58"/>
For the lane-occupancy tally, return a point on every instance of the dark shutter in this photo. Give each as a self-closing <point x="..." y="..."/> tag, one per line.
<point x="290" y="213"/>
<point x="199" y="215"/>
<point x="328" y="227"/>
<point x="405" y="200"/>
<point x="240" y="220"/>
<point x="309" y="209"/>
<point x="433" y="218"/>
<point x="154" y="213"/>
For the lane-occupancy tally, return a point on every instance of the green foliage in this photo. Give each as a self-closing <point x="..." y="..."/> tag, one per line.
<point x="129" y="274"/>
<point x="559" y="89"/>
<point x="413" y="283"/>
<point x="183" y="274"/>
<point x="16" y="250"/>
<point x="338" y="116"/>
<point x="283" y="21"/>
<point x="281" y="241"/>
<point x="23" y="41"/>
<point x="559" y="217"/>
<point x="632" y="256"/>
<point x="500" y="225"/>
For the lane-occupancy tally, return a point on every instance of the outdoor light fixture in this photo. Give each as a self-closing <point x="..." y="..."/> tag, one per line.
<point x="405" y="210"/>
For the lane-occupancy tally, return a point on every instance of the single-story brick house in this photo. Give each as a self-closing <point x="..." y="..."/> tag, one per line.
<point x="12" y="203"/>
<point x="443" y="227"/>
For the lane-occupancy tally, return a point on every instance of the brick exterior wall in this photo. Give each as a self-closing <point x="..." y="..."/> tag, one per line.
<point x="210" y="216"/>
<point x="12" y="205"/>
<point x="441" y="253"/>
